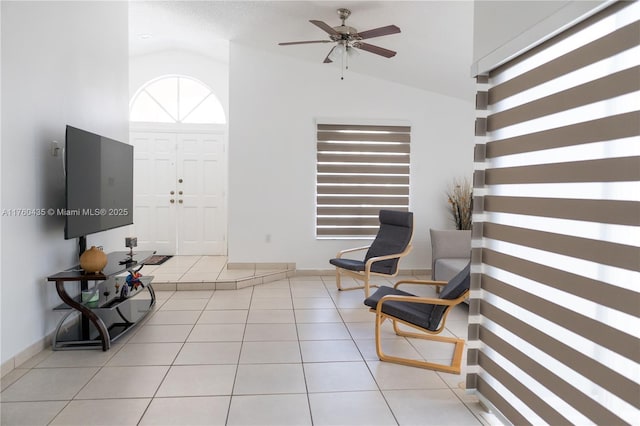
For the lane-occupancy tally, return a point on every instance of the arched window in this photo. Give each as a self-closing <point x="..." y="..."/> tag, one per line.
<point x="176" y="99"/>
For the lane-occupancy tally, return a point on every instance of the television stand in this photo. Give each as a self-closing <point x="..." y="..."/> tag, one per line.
<point x="110" y="316"/>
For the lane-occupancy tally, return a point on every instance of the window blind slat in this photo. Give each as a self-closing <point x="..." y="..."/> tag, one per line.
<point x="361" y="190"/>
<point x="601" y="170"/>
<point x="353" y="210"/>
<point x="367" y="137"/>
<point x="400" y="148"/>
<point x="363" y="200"/>
<point x="364" y="128"/>
<point x="396" y="169"/>
<point x="366" y="179"/>
<point x="346" y="158"/>
<point x="349" y="221"/>
<point x="603" y="129"/>
<point x="603" y="211"/>
<point x="617" y="255"/>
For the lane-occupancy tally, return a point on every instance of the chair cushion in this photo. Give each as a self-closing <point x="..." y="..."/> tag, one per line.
<point x="421" y="314"/>
<point x="414" y="313"/>
<point x="394" y="235"/>
<point x="350" y="264"/>
<point x="454" y="289"/>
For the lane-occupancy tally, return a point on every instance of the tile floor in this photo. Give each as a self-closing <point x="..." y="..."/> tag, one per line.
<point x="290" y="352"/>
<point x="201" y="272"/>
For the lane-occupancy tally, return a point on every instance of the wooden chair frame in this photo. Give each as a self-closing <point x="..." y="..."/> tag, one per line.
<point x="365" y="275"/>
<point x="425" y="334"/>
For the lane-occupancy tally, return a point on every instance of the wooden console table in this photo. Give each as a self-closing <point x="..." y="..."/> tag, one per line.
<point x="104" y="320"/>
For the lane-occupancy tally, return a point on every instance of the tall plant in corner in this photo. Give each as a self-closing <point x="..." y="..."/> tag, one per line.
<point x="460" y="199"/>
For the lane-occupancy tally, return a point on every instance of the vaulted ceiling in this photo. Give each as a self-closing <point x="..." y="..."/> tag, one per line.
<point x="434" y="46"/>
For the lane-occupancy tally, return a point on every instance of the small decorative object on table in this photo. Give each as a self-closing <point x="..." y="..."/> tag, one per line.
<point x="460" y="199"/>
<point x="131" y="242"/>
<point x="93" y="260"/>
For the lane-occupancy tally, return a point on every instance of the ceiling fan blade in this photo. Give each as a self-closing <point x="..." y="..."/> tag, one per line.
<point x="326" y="59"/>
<point x="288" y="43"/>
<point x="375" y="49"/>
<point x="377" y="32"/>
<point x="325" y="27"/>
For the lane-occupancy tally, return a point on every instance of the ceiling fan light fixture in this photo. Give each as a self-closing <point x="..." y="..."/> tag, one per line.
<point x="337" y="52"/>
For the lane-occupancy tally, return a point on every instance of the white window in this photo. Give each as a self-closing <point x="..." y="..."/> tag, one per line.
<point x="360" y="170"/>
<point x="176" y="99"/>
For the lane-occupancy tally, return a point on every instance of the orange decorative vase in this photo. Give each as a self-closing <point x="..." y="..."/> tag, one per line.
<point x="93" y="260"/>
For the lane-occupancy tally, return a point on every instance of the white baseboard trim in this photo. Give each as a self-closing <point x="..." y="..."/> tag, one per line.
<point x="25" y="355"/>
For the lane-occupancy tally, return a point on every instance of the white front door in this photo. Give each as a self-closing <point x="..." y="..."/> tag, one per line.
<point x="179" y="193"/>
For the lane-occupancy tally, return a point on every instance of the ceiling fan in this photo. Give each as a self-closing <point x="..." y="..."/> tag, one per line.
<point x="347" y="38"/>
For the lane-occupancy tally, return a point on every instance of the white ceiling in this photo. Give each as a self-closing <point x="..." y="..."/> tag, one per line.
<point x="434" y="47"/>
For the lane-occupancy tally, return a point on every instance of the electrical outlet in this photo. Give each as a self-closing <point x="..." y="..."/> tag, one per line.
<point x="55" y="148"/>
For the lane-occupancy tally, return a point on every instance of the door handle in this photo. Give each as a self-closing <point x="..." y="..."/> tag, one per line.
<point x="172" y="201"/>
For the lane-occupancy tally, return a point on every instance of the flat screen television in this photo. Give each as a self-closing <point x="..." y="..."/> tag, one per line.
<point x="99" y="183"/>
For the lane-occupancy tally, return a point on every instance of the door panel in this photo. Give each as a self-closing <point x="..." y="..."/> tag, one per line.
<point x="193" y="166"/>
<point x="154" y="176"/>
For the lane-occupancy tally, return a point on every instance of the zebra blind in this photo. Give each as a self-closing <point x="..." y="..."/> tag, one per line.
<point x="555" y="298"/>
<point x="360" y="170"/>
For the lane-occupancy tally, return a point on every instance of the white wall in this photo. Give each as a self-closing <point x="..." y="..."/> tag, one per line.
<point x="274" y="101"/>
<point x="62" y="63"/>
<point x="210" y="71"/>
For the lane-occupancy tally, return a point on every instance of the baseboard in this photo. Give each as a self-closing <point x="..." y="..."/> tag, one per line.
<point x="324" y="272"/>
<point x="25" y="355"/>
<point x="261" y="266"/>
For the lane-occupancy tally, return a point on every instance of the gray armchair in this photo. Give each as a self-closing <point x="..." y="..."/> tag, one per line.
<point x="450" y="253"/>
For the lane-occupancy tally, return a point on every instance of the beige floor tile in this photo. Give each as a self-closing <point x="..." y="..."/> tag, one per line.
<point x="36" y="385"/>
<point x="329" y="351"/>
<point x="317" y="315"/>
<point x="162" y="334"/>
<point x="270" y="352"/>
<point x="199" y="277"/>
<point x="437" y="405"/>
<point x="36" y="359"/>
<point x="269" y="379"/>
<point x="217" y="333"/>
<point x="184" y="304"/>
<point x="174" y="317"/>
<point x="209" y="353"/>
<point x="396" y="346"/>
<point x="102" y="412"/>
<point x="366" y="330"/>
<point x="300" y="291"/>
<point x="276" y="284"/>
<point x="192" y="411"/>
<point x="351" y="408"/>
<point x="29" y="413"/>
<point x="77" y="358"/>
<point x="338" y="377"/>
<point x="279" y="410"/>
<point x="198" y="380"/>
<point x="395" y="376"/>
<point x="262" y="291"/>
<point x="271" y="303"/>
<point x="270" y="332"/>
<point x="313" y="303"/>
<point x="11" y="377"/>
<point x="238" y="316"/>
<point x="323" y="331"/>
<point x="271" y="316"/>
<point x="458" y="328"/>
<point x="146" y="354"/>
<point x="357" y="315"/>
<point x="165" y="277"/>
<point x="124" y="382"/>
<point x="229" y="303"/>
<point x="193" y="294"/>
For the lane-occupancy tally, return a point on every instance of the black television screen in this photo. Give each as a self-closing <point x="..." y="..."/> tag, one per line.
<point x="99" y="183"/>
